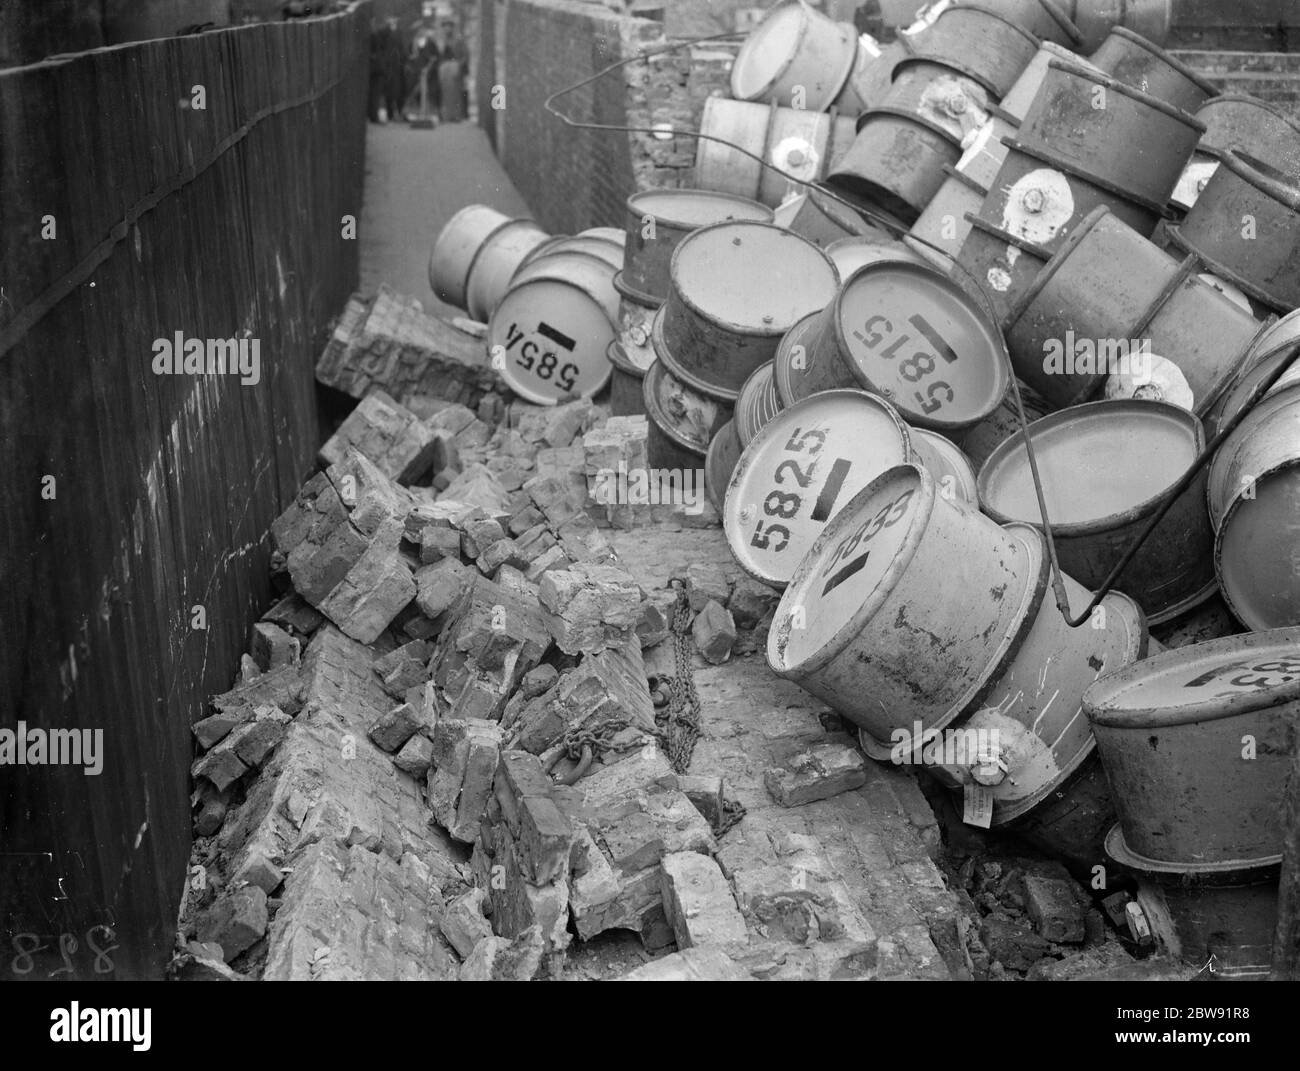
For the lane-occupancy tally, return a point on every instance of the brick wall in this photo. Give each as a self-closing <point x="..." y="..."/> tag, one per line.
<point x="574" y="178"/>
<point x="1271" y="76"/>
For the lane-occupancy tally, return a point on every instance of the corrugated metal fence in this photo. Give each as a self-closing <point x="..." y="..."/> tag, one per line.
<point x="196" y="185"/>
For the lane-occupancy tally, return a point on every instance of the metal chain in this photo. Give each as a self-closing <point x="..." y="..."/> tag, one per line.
<point x="679" y="718"/>
<point x="732" y="812"/>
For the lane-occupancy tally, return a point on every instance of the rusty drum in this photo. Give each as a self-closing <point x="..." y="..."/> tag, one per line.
<point x="682" y="422"/>
<point x="1245" y="225"/>
<point x="1108" y="302"/>
<point x="657" y="221"/>
<point x="1135" y="61"/>
<point x="1105" y="468"/>
<point x="1254" y="497"/>
<point x="737" y="288"/>
<point x="1196" y="747"/>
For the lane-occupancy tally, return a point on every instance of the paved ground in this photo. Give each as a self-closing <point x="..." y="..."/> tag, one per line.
<point x="416" y="180"/>
<point x="880" y="839"/>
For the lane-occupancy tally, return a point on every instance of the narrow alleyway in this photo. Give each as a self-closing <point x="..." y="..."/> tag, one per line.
<point x="416" y="180"/>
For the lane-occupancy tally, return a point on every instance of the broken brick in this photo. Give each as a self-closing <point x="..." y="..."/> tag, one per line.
<point x="272" y="647"/>
<point x="1054" y="909"/>
<point x="698" y="901"/>
<point x="395" y="727"/>
<point x="714" y="633"/>
<point x="823" y="771"/>
<point x="463" y="922"/>
<point x="236" y="922"/>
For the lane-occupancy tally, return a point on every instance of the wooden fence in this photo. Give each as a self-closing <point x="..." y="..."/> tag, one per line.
<point x="196" y="185"/>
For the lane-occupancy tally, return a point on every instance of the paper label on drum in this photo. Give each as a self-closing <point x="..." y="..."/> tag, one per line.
<point x="977" y="805"/>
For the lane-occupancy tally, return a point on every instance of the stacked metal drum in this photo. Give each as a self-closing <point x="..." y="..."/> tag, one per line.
<point x="1021" y="266"/>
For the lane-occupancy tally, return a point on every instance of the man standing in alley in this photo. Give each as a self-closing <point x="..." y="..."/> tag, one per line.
<point x="386" y="89"/>
<point x="452" y="68"/>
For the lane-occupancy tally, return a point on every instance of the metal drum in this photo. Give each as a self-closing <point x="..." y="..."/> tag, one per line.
<point x="1239" y="121"/>
<point x="1071" y="822"/>
<point x="598" y="246"/>
<point x="801" y="143"/>
<point x="757" y="403"/>
<point x="719" y="462"/>
<point x="459" y="243"/>
<point x="943" y="226"/>
<point x="553" y="328"/>
<point x="801" y="466"/>
<point x="1105" y="467"/>
<point x="1096" y="18"/>
<point x="1266" y="352"/>
<point x="1254" y="498"/>
<point x="498" y="258"/>
<point x="896" y="162"/>
<point x="1140" y="63"/>
<point x="1015" y="105"/>
<point x="1107" y="301"/>
<point x="997" y="266"/>
<point x="1030" y="733"/>
<point x="817" y="216"/>
<point x="790" y="365"/>
<point x="625" y="391"/>
<point x="796" y="57"/>
<point x="850" y="254"/>
<point x="635" y="329"/>
<point x="1044" y="19"/>
<point x="906" y="607"/>
<point x="682" y="422"/>
<point x="985" y="154"/>
<point x="979" y="442"/>
<point x="737" y="289"/>
<point x="657" y="221"/>
<point x="907" y="333"/>
<point x="1070" y="156"/>
<point x="872" y="75"/>
<point x="1197" y="748"/>
<point x="1223" y="919"/>
<point x="950" y="468"/>
<point x="1245" y="225"/>
<point x="978" y="42"/>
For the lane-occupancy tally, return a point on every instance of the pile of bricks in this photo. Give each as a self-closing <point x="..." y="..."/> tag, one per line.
<point x="455" y="647"/>
<point x="389" y="343"/>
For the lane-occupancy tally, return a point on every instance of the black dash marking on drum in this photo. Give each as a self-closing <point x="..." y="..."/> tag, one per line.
<point x="839" y="578"/>
<point x="831" y="489"/>
<point x="933" y="337"/>
<point x="558" y="337"/>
